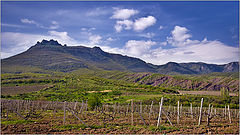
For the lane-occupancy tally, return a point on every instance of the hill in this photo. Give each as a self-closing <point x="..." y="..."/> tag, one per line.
<point x="48" y="56"/>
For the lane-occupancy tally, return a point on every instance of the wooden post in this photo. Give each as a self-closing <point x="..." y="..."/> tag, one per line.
<point x="132" y="112"/>
<point x="191" y="110"/>
<point x="76" y="116"/>
<point x="64" y="109"/>
<point x="181" y="110"/>
<point x="141" y="107"/>
<point x="225" y="111"/>
<point x="127" y="107"/>
<point x="150" y="110"/>
<point x="229" y="114"/>
<point x="178" y="113"/>
<point x="208" y="116"/>
<point x="174" y="112"/>
<point x="167" y="118"/>
<point x="142" y="118"/>
<point x="86" y="108"/>
<point x="211" y="111"/>
<point x="75" y="106"/>
<point x="200" y="113"/>
<point x="160" y="111"/>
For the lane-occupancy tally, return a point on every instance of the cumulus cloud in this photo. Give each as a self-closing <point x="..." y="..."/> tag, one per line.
<point x="124" y="21"/>
<point x="144" y="22"/>
<point x="137" y="25"/>
<point x="62" y="36"/>
<point x="187" y="50"/>
<point x="147" y="35"/>
<point x="95" y="39"/>
<point x="123" y="13"/>
<point x="138" y="47"/>
<point x="14" y="43"/>
<point x="125" y="24"/>
<point x="180" y="37"/>
<point x="148" y="50"/>
<point x="209" y="52"/>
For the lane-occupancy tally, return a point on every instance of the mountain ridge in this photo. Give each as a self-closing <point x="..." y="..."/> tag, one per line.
<point x="50" y="55"/>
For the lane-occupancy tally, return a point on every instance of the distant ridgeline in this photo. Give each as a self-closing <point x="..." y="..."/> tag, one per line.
<point x="52" y="56"/>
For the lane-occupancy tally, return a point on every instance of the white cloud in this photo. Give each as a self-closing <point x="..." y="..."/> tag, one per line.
<point x="62" y="37"/>
<point x="138" y="48"/>
<point x="11" y="25"/>
<point x="97" y="12"/>
<point x="163" y="43"/>
<point x="160" y="27"/>
<point x="28" y="21"/>
<point x="54" y="25"/>
<point x="123" y="13"/>
<point x="180" y="37"/>
<point x="147" y="35"/>
<point x="139" y="24"/>
<point x="125" y="24"/>
<point x="187" y="50"/>
<point x="149" y="51"/>
<point x="110" y="39"/>
<point x="209" y="52"/>
<point x="95" y="39"/>
<point x="14" y="43"/>
<point x="143" y="23"/>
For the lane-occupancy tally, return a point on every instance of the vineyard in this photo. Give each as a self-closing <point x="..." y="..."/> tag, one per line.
<point x="88" y="117"/>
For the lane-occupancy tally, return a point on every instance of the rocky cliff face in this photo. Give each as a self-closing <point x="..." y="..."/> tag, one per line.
<point x="212" y="84"/>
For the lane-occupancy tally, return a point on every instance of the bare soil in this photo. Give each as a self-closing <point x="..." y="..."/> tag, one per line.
<point x="214" y="93"/>
<point x="51" y="123"/>
<point x="14" y="90"/>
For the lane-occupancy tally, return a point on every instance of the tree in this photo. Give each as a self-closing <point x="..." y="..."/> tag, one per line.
<point x="94" y="101"/>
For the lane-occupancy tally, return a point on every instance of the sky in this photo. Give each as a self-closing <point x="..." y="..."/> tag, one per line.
<point x="156" y="32"/>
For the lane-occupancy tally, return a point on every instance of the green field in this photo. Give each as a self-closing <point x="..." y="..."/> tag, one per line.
<point x="110" y="86"/>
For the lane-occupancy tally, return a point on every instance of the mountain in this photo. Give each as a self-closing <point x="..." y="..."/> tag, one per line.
<point x="52" y="56"/>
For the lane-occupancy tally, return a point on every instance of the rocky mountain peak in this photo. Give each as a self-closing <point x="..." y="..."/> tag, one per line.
<point x="50" y="42"/>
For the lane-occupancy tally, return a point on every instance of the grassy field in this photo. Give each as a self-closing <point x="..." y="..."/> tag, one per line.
<point x="78" y="87"/>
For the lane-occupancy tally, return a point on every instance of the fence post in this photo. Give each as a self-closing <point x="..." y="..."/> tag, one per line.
<point x="208" y="115"/>
<point x="75" y="106"/>
<point x="150" y="111"/>
<point x="132" y="112"/>
<point x="64" y="109"/>
<point x="178" y="113"/>
<point x="191" y="110"/>
<point x="229" y="114"/>
<point x="160" y="111"/>
<point x="225" y="112"/>
<point x="141" y="107"/>
<point x="200" y="115"/>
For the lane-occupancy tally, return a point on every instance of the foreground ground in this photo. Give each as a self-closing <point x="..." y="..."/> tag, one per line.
<point x="49" y="122"/>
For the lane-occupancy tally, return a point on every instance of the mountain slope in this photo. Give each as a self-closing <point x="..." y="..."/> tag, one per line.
<point x="52" y="56"/>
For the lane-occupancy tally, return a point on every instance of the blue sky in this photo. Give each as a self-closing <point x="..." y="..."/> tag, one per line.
<point x="157" y="32"/>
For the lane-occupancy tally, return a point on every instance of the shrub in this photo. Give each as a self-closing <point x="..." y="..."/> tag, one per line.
<point x="94" y="101"/>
